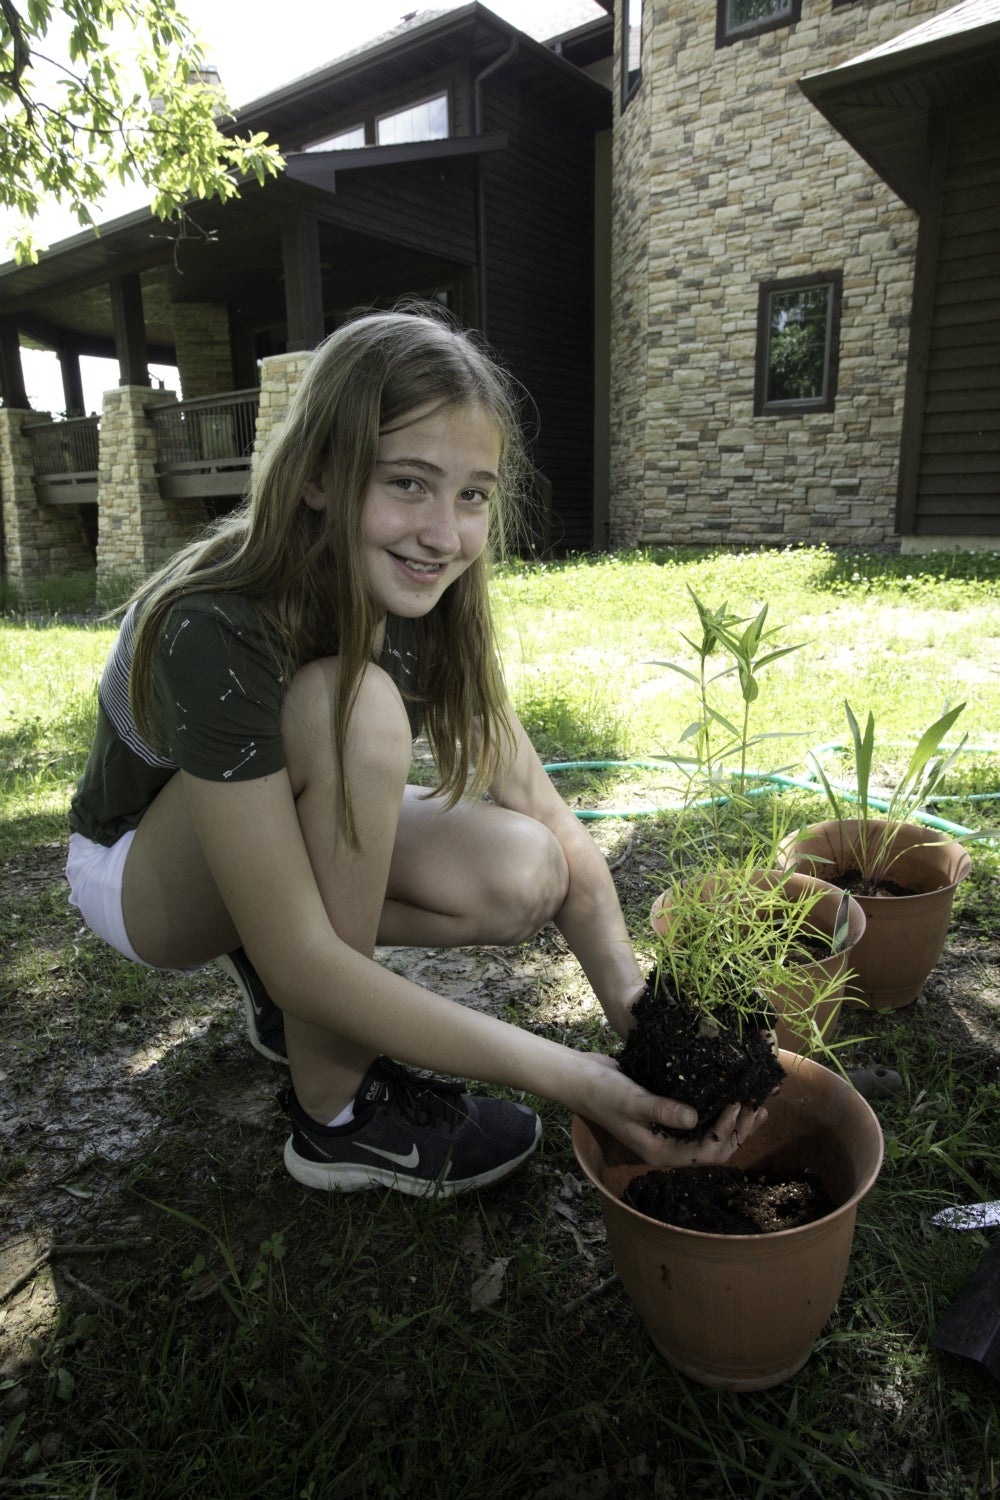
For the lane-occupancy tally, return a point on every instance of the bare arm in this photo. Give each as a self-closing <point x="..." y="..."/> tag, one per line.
<point x="591" y="918"/>
<point x="251" y="840"/>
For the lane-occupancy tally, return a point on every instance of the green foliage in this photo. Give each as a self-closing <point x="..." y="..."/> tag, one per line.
<point x="734" y="937"/>
<point x="94" y="92"/>
<point x="733" y="931"/>
<point x="795" y="367"/>
<point x="879" y="818"/>
<point x="746" y="648"/>
<point x="51" y="594"/>
<point x="579" y="725"/>
<point x="47" y="715"/>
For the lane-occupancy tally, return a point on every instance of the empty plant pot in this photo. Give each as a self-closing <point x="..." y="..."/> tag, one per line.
<point x="743" y="1311"/>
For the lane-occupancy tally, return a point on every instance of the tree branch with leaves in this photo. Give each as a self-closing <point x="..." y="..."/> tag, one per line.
<point x="97" y="92"/>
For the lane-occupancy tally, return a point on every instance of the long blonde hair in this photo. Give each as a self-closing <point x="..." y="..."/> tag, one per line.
<point x="302" y="567"/>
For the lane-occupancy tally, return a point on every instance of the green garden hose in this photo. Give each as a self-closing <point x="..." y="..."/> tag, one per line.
<point x="768" y="780"/>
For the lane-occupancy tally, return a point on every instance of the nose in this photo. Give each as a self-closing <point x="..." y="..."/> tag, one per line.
<point x="438" y="527"/>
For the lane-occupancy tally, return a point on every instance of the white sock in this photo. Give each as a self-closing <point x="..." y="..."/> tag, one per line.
<point x="344" y="1118"/>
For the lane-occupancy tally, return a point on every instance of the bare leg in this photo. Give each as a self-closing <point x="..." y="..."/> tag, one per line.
<point x="423" y="875"/>
<point x="474" y="873"/>
<point x="326" y="1069"/>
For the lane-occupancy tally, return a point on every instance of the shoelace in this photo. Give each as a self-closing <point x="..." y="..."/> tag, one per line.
<point x="427" y="1100"/>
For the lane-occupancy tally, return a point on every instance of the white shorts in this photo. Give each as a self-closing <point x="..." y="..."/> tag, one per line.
<point x="95" y="873"/>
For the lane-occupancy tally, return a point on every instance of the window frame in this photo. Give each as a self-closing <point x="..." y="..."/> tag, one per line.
<point x="326" y="142"/>
<point x="762" y="406"/>
<point x="631" y="78"/>
<point x="415" y="104"/>
<point x="724" y="37"/>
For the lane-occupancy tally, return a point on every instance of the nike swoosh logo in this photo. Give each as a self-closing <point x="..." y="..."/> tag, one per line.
<point x="411" y="1161"/>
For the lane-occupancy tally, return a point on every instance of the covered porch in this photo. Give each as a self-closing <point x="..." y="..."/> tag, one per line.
<point x="496" y="221"/>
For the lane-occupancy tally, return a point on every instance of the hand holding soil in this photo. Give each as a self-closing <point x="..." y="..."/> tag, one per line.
<point x="710" y="1061"/>
<point x="639" y="1119"/>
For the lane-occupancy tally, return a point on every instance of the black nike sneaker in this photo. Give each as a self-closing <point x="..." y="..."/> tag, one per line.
<point x="265" y="1023"/>
<point x="420" y="1135"/>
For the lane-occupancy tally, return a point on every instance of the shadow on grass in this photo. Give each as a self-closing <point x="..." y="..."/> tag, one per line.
<point x="861" y="571"/>
<point x="221" y="1331"/>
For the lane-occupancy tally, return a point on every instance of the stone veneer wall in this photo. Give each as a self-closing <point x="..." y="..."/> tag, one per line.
<point x="632" y="177"/>
<point x="137" y="530"/>
<point x="204" y="354"/>
<point x="38" y="540"/>
<point x="280" y="375"/>
<point x="726" y="176"/>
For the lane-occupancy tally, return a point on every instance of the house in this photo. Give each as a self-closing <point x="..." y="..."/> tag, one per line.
<point x="782" y="168"/>
<point x="745" y="258"/>
<point x="454" y="158"/>
<point x="924" y="111"/>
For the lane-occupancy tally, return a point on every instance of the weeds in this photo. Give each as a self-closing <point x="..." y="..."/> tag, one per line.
<point x="247" y="1339"/>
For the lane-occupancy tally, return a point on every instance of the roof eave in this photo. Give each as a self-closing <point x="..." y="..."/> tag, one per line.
<point x="887" y="67"/>
<point x="254" y="113"/>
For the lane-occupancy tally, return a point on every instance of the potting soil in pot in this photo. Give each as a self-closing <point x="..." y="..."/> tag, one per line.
<point x="729" y="1200"/>
<point x="854" y="882"/>
<point x="705" y="1060"/>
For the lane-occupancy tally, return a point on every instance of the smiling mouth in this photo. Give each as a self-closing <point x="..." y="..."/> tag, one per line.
<point x="427" y="569"/>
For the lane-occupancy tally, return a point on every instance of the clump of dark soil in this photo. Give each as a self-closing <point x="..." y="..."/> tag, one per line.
<point x="854" y="883"/>
<point x="705" y="1060"/>
<point x="729" y="1200"/>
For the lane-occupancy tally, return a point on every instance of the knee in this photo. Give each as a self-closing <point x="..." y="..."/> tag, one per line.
<point x="537" y="884"/>
<point x="378" y="731"/>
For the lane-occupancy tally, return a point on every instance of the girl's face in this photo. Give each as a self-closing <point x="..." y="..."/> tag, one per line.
<point x="426" y="514"/>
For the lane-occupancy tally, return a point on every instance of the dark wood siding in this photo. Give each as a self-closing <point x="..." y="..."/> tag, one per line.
<point x="950" y="469"/>
<point x="539" y="230"/>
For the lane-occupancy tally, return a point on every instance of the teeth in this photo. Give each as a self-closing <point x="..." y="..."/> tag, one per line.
<point x="423" y="567"/>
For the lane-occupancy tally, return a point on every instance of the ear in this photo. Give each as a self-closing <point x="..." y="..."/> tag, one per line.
<point x="314" y="495"/>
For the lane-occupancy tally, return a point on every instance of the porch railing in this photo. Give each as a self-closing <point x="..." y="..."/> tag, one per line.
<point x="64" y="459"/>
<point x="203" y="447"/>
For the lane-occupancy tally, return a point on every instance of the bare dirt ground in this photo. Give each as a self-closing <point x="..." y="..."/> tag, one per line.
<point x="89" y="1107"/>
<point x="84" y="1106"/>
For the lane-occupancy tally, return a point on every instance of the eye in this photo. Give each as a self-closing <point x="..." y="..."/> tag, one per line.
<point x="476" y="497"/>
<point x="405" y="484"/>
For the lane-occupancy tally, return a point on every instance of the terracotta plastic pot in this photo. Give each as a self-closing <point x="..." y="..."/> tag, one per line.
<point x="792" y="1029"/>
<point x="744" y="1311"/>
<point x="904" y="935"/>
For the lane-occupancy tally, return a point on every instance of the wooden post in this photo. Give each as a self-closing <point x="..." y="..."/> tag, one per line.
<point x="303" y="282"/>
<point x="11" y="372"/>
<point x="130" y="329"/>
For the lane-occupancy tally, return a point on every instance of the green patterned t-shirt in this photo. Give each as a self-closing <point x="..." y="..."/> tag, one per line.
<point x="220" y="691"/>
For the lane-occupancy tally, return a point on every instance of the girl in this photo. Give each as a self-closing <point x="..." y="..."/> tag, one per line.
<point x="247" y="792"/>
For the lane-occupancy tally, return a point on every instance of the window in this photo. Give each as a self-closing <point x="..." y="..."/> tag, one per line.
<point x="426" y="121"/>
<point x="344" y="140"/>
<point x="798" y="333"/>
<point x="631" y="13"/>
<point x="737" y="19"/>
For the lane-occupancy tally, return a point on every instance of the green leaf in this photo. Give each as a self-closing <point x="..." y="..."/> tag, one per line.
<point x="842" y="925"/>
<point x="930" y="740"/>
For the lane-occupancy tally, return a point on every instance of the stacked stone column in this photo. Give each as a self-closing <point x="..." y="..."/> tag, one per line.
<point x="280" y="376"/>
<point x="204" y="355"/>
<point x="38" y="540"/>
<point x="138" y="531"/>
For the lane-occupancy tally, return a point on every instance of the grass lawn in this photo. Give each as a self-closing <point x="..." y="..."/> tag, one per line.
<point x="178" y="1318"/>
